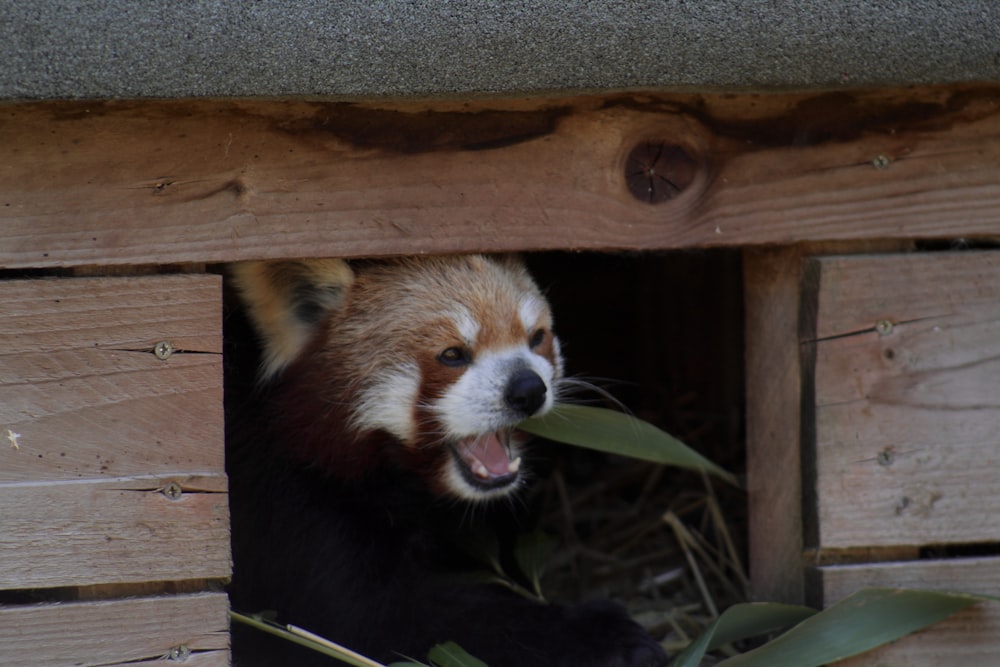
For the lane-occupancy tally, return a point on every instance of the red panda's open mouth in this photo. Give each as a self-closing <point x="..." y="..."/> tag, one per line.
<point x="485" y="460"/>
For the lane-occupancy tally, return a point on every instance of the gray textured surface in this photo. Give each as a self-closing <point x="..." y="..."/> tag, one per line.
<point x="144" y="48"/>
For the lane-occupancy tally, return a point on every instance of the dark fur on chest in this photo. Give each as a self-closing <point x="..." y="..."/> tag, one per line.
<point x="372" y="565"/>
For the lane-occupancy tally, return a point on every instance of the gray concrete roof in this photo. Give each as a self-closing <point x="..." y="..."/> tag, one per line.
<point x="145" y="48"/>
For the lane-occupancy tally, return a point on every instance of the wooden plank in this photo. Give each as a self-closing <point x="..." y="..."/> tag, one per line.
<point x="117" y="632"/>
<point x="773" y="377"/>
<point x="127" y="313"/>
<point x="969" y="575"/>
<point x="857" y="292"/>
<point x="113" y="531"/>
<point x="969" y="639"/>
<point x="205" y="181"/>
<point x="83" y="396"/>
<point x="906" y="416"/>
<point x="205" y="659"/>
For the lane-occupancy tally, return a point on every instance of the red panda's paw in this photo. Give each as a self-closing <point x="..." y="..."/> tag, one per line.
<point x="603" y="635"/>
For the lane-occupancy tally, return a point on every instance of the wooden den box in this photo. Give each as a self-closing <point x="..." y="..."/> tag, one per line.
<point x="873" y="386"/>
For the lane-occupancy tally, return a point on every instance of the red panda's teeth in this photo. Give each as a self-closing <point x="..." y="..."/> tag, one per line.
<point x="514" y="465"/>
<point x="480" y="471"/>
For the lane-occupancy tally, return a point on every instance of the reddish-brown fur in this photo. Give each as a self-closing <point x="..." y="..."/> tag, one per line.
<point x="385" y="318"/>
<point x="339" y="466"/>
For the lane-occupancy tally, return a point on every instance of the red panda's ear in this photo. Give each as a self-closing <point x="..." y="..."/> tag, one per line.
<point x="286" y="301"/>
<point x="509" y="260"/>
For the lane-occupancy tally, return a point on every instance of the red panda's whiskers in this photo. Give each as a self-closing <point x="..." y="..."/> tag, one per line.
<point x="568" y="389"/>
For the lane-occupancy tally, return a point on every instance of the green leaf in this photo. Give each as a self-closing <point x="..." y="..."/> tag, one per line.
<point x="482" y="544"/>
<point x="618" y="433"/>
<point x="869" y="618"/>
<point x="740" y="622"/>
<point x="451" y="654"/>
<point x="532" y="552"/>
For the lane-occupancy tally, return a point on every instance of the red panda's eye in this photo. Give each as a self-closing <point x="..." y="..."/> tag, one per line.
<point x="455" y="356"/>
<point x="536" y="338"/>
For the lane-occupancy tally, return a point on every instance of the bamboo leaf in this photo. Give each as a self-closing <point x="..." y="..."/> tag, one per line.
<point x="618" y="433"/>
<point x="485" y="577"/>
<point x="870" y="617"/>
<point x="483" y="546"/>
<point x="532" y="552"/>
<point x="740" y="622"/>
<point x="451" y="654"/>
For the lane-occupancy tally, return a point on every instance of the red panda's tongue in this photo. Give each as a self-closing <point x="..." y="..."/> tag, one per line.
<point x="487" y="455"/>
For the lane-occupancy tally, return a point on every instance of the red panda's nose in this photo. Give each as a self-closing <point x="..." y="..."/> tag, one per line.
<point x="525" y="392"/>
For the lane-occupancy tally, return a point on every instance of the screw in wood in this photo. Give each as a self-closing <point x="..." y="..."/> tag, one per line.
<point x="163" y="349"/>
<point x="173" y="491"/>
<point x="881" y="161"/>
<point x="884" y="327"/>
<point x="179" y="653"/>
<point x="657" y="171"/>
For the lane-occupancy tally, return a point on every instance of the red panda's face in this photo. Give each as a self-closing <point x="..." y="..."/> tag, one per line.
<point x="472" y="354"/>
<point x="446" y="355"/>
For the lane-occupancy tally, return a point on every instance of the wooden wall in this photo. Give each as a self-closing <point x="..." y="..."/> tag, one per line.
<point x="874" y="447"/>
<point x="112" y="477"/>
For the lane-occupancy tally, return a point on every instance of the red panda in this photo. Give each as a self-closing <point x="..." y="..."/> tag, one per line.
<point x="388" y="400"/>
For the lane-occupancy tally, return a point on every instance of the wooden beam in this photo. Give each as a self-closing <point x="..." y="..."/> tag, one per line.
<point x="779" y="387"/>
<point x="140" y="631"/>
<point x="148" y="182"/>
<point x="774" y="421"/>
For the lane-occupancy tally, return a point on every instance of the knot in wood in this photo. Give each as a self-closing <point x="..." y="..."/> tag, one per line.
<point x="886" y="457"/>
<point x="657" y="171"/>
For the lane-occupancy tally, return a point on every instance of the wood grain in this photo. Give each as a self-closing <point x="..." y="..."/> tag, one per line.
<point x="113" y="531"/>
<point x="93" y="426"/>
<point x="967" y="639"/>
<point x="979" y="576"/>
<point x="906" y="448"/>
<point x="773" y="378"/>
<point x="204" y="659"/>
<point x="116" y="632"/>
<point x="147" y="182"/>
<point x="904" y="288"/>
<point x="124" y="313"/>
<point x="85" y="395"/>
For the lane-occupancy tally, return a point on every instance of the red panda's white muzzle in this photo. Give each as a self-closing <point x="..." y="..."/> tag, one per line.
<point x="480" y="413"/>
